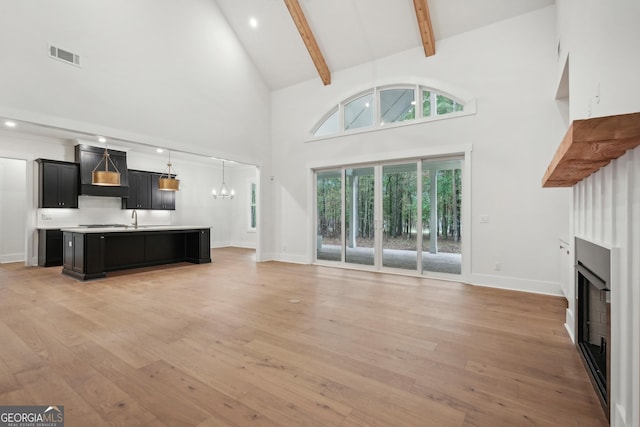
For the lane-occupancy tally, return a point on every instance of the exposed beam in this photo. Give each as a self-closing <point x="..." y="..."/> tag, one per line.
<point x="426" y="29"/>
<point x="309" y="40"/>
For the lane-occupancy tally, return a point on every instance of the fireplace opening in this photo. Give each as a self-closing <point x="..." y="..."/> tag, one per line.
<point x="593" y="274"/>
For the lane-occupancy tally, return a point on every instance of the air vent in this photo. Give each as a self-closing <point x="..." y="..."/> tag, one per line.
<point x="64" y="55"/>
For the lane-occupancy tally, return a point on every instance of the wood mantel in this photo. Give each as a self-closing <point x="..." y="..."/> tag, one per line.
<point x="589" y="145"/>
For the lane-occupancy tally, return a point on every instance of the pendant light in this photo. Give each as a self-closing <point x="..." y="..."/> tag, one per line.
<point x="106" y="177"/>
<point x="224" y="190"/>
<point x="168" y="181"/>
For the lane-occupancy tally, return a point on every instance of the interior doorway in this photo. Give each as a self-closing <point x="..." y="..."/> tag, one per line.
<point x="13" y="184"/>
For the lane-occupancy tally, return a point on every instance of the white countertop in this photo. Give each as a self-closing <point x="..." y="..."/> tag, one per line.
<point x="131" y="228"/>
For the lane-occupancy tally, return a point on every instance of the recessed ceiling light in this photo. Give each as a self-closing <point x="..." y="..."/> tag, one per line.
<point x="102" y="139"/>
<point x="253" y="22"/>
<point x="159" y="150"/>
<point x="10" y="124"/>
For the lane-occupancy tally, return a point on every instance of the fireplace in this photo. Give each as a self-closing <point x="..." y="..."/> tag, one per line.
<point x="593" y="277"/>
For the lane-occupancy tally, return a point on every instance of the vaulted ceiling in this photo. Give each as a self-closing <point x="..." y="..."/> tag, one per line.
<point x="351" y="32"/>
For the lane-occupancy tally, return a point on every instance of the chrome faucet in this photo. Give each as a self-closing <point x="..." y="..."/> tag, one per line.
<point x="134" y="215"/>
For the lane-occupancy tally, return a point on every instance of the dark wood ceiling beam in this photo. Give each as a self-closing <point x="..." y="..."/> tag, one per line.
<point x="426" y="29"/>
<point x="309" y="40"/>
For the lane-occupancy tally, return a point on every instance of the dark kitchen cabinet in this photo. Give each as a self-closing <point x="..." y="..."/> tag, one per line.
<point x="92" y="255"/>
<point x="57" y="184"/>
<point x="139" y="191"/>
<point x="161" y="199"/>
<point x="198" y="246"/>
<point x="83" y="255"/>
<point x="49" y="247"/>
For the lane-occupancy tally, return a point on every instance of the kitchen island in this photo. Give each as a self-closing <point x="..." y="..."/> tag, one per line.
<point x="89" y="253"/>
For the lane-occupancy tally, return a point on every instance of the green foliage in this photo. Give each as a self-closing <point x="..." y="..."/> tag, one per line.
<point x="329" y="206"/>
<point x="426" y="104"/>
<point x="364" y="204"/>
<point x="449" y="196"/>
<point x="447" y="105"/>
<point x="399" y="200"/>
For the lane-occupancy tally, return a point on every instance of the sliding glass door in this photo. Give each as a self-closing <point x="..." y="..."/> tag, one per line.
<point x="441" y="216"/>
<point x="400" y="216"/>
<point x="329" y="215"/>
<point x="360" y="218"/>
<point x="392" y="216"/>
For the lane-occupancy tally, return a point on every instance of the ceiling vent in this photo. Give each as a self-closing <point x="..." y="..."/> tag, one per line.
<point x="64" y="55"/>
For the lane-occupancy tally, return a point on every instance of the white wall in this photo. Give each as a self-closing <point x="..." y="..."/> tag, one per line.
<point x="165" y="73"/>
<point x="602" y="41"/>
<point x="13" y="181"/>
<point x="509" y="68"/>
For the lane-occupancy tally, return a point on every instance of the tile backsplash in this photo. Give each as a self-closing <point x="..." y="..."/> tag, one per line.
<point x="99" y="210"/>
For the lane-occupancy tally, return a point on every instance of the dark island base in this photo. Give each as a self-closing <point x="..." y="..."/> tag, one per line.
<point x="91" y="255"/>
<point x="82" y="276"/>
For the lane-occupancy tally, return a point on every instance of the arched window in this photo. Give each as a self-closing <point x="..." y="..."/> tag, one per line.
<point x="385" y="105"/>
<point x="329" y="125"/>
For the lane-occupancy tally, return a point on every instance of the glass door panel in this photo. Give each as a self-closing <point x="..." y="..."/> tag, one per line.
<point x="400" y="216"/>
<point x="360" y="216"/>
<point x="329" y="215"/>
<point x="441" y="216"/>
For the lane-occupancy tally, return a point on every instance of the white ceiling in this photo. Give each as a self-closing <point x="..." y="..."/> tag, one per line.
<point x="351" y="32"/>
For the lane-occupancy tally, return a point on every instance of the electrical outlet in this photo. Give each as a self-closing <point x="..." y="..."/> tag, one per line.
<point x="45" y="217"/>
<point x="484" y="219"/>
<point x="498" y="266"/>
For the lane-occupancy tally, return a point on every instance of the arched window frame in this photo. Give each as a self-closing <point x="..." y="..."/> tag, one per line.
<point x="469" y="108"/>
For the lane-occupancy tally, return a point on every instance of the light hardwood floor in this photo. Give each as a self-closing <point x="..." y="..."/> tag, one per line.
<point x="222" y="345"/>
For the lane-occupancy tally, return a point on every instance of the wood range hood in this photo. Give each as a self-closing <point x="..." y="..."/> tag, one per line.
<point x="589" y="145"/>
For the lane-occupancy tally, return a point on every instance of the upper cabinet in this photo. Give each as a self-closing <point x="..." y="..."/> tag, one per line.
<point x="145" y="194"/>
<point x="161" y="199"/>
<point x="57" y="184"/>
<point x="139" y="191"/>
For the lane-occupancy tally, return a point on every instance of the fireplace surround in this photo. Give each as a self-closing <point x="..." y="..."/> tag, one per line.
<point x="593" y="322"/>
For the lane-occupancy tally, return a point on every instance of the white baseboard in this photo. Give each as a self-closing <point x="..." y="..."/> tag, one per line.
<point x="569" y="325"/>
<point x="230" y="244"/>
<point x="220" y="244"/>
<point x="246" y="245"/>
<point x="269" y="256"/>
<point x="292" y="258"/>
<point x="517" y="284"/>
<point x="6" y="258"/>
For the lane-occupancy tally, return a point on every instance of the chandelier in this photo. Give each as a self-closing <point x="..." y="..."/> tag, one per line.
<point x="224" y="192"/>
